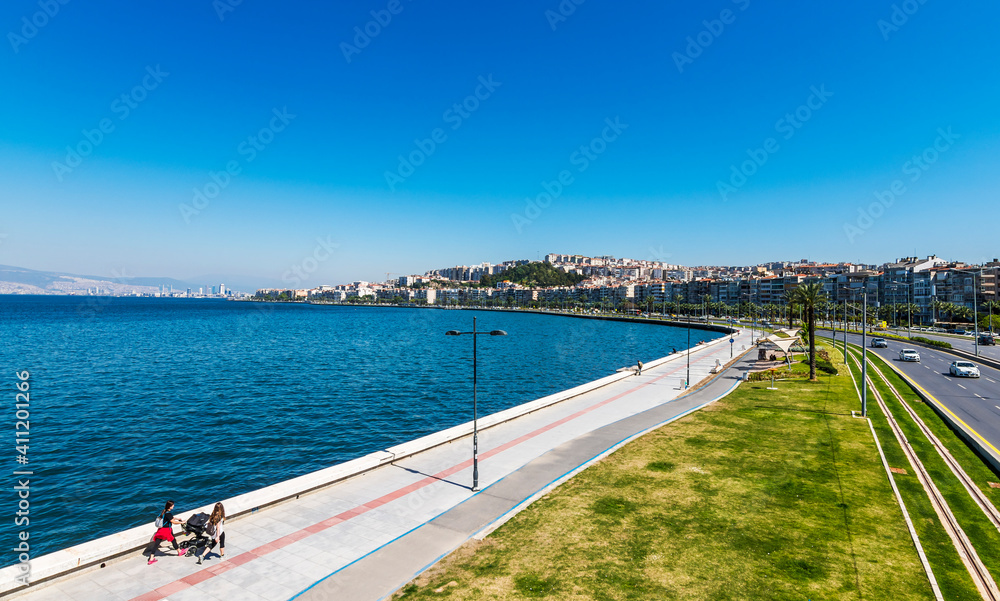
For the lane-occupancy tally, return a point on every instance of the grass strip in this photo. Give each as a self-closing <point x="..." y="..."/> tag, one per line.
<point x="981" y="532"/>
<point x="951" y="574"/>
<point x="767" y="494"/>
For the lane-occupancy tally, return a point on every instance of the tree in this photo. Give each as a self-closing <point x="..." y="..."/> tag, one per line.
<point x="535" y="274"/>
<point x="810" y="296"/>
<point x="790" y="298"/>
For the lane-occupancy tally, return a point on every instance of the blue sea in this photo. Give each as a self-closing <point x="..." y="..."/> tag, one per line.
<point x="137" y="400"/>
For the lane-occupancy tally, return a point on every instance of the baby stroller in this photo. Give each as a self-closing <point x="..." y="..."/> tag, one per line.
<point x="195" y="526"/>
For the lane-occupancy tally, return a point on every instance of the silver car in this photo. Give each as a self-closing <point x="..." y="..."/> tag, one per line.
<point x="964" y="369"/>
<point x="909" y="354"/>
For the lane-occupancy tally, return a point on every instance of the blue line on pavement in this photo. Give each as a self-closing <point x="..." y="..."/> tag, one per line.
<point x="585" y="463"/>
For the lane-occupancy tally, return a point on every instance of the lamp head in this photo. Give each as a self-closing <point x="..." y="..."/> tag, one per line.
<point x="498" y="333"/>
<point x="452" y="333"/>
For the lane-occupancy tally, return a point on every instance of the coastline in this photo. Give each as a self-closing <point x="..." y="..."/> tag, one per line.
<point x="98" y="553"/>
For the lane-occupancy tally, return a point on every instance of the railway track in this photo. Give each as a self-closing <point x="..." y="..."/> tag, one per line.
<point x="977" y="495"/>
<point x="977" y="570"/>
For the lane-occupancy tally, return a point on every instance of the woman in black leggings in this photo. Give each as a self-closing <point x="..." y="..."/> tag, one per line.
<point x="215" y="532"/>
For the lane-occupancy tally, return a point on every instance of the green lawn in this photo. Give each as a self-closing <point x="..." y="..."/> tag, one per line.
<point x="950" y="572"/>
<point x="765" y="495"/>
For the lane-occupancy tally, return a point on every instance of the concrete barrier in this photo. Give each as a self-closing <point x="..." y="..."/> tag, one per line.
<point x="97" y="553"/>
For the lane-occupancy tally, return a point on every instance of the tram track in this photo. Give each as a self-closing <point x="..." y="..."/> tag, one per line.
<point x="970" y="558"/>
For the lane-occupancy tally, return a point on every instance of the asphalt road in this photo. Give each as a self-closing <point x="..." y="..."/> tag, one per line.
<point x="976" y="401"/>
<point x="962" y="343"/>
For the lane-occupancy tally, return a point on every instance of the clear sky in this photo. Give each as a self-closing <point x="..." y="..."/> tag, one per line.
<point x="716" y="132"/>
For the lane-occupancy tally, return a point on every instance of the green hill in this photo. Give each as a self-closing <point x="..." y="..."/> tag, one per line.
<point x="533" y="274"/>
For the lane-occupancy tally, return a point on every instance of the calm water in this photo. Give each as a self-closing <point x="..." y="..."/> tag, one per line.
<point x="134" y="401"/>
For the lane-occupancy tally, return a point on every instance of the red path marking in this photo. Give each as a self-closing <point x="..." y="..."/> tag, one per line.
<point x="203" y="575"/>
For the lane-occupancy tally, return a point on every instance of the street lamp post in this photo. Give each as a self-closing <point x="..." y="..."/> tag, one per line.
<point x="845" y="331"/>
<point x="687" y="380"/>
<point x="975" y="309"/>
<point x="475" y="396"/>
<point x="975" y="305"/>
<point x="864" y="353"/>
<point x="864" y="344"/>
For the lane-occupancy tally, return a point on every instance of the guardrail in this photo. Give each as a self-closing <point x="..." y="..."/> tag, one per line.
<point x="98" y="553"/>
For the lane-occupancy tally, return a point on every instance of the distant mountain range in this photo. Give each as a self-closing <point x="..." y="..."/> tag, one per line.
<point x="18" y="280"/>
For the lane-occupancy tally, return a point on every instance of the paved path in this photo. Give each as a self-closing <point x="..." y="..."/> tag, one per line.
<point x="378" y="575"/>
<point x="365" y="537"/>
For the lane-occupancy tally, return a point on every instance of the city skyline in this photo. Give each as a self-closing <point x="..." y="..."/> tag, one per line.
<point x="600" y="270"/>
<point x="244" y="142"/>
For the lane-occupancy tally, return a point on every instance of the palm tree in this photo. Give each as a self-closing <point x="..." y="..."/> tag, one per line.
<point x="790" y="298"/>
<point x="810" y="296"/>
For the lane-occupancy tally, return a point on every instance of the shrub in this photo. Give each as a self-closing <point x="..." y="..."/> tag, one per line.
<point x="937" y="343"/>
<point x="779" y="374"/>
<point x="826" y="367"/>
<point x="823" y="365"/>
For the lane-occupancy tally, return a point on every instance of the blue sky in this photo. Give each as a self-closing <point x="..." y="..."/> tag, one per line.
<point x="310" y="136"/>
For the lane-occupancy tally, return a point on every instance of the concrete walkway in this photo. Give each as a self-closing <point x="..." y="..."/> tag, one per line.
<point x="365" y="537"/>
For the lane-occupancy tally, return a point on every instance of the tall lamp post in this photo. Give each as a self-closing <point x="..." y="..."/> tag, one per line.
<point x="475" y="394"/>
<point x="864" y="351"/>
<point x="975" y="304"/>
<point x="687" y="380"/>
<point x="845" y="331"/>
<point x="864" y="344"/>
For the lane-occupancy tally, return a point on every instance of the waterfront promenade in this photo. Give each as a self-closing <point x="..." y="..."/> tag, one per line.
<point x="364" y="537"/>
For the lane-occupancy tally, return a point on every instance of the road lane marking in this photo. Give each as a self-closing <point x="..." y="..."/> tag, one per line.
<point x="990" y="380"/>
<point x="962" y="387"/>
<point x="949" y="411"/>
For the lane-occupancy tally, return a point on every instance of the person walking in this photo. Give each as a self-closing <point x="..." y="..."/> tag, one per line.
<point x="638" y="371"/>
<point x="216" y="533"/>
<point x="165" y="532"/>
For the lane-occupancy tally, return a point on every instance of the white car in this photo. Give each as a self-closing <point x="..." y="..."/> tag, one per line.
<point x="909" y="354"/>
<point x="964" y="369"/>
